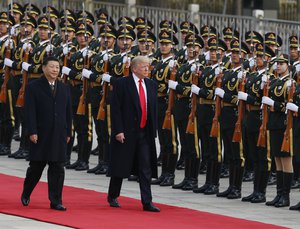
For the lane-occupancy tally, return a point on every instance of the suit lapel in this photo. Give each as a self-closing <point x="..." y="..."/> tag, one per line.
<point x="46" y="86"/>
<point x="134" y="93"/>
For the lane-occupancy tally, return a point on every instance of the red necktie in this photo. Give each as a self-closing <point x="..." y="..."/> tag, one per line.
<point x="143" y="104"/>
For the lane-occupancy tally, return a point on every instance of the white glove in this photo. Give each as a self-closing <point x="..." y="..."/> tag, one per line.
<point x="13" y="31"/>
<point x="264" y="78"/>
<point x="105" y="57"/>
<point x="218" y="70"/>
<point x="289" y="83"/>
<point x="195" y="89"/>
<point x="172" y="84"/>
<point x="268" y="101"/>
<point x="171" y="64"/>
<point x="292" y="107"/>
<point x="275" y="66"/>
<point x="86" y="73"/>
<point x="126" y="59"/>
<point x="106" y="77"/>
<point x="207" y="56"/>
<point x="298" y="68"/>
<point x="66" y="50"/>
<point x="85" y="52"/>
<point x="219" y="92"/>
<point x="193" y="68"/>
<point x="8" y="62"/>
<point x="240" y="75"/>
<point x="65" y="70"/>
<point x="26" y="45"/>
<point x="49" y="48"/>
<point x="25" y="66"/>
<point x="242" y="96"/>
<point x="251" y="62"/>
<point x="9" y="42"/>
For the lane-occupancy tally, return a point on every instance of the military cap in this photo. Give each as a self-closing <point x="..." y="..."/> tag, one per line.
<point x="256" y="37"/>
<point x="293" y="40"/>
<point x="127" y="22"/>
<point x="204" y="31"/>
<point x="272" y="39"/>
<point x="261" y="51"/>
<point x="71" y="26"/>
<point x="146" y="35"/>
<point x="3" y="18"/>
<point x="108" y="31"/>
<point x="166" y="25"/>
<point x="70" y="15"/>
<point x="213" y="44"/>
<point x="33" y="9"/>
<point x="167" y="37"/>
<point x="235" y="46"/>
<point x="88" y="16"/>
<point x="227" y="33"/>
<point x="82" y="29"/>
<point x="17" y="8"/>
<point x="283" y="58"/>
<point x="126" y="32"/>
<point x="50" y="9"/>
<point x="194" y="39"/>
<point x="140" y="23"/>
<point x="188" y="27"/>
<point x="102" y="17"/>
<point x="43" y="23"/>
<point x="29" y="19"/>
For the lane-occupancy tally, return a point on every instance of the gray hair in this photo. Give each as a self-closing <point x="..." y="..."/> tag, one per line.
<point x="139" y="59"/>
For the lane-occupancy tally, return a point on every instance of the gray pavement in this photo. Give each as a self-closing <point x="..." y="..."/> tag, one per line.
<point x="165" y="195"/>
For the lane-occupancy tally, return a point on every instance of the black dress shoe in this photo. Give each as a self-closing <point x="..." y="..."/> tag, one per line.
<point x="22" y="155"/>
<point x="180" y="165"/>
<point x="295" y="184"/>
<point x="295" y="207"/>
<point x="95" y="151"/>
<point x="274" y="201"/>
<point x="15" y="153"/>
<point x="190" y="185"/>
<point x="234" y="194"/>
<point x="259" y="198"/>
<point x="93" y="170"/>
<point x="249" y="198"/>
<point x="248" y="176"/>
<point x="284" y="201"/>
<point x="201" y="189"/>
<point x="224" y="173"/>
<point x="5" y="151"/>
<point x="133" y="178"/>
<point x="102" y="170"/>
<point x="113" y="202"/>
<point x="181" y="184"/>
<point x="225" y="193"/>
<point x="73" y="165"/>
<point x="25" y="201"/>
<point x="58" y="207"/>
<point x="158" y="180"/>
<point x="168" y="181"/>
<point x="82" y="166"/>
<point x="212" y="190"/>
<point x="150" y="208"/>
<point x="272" y="180"/>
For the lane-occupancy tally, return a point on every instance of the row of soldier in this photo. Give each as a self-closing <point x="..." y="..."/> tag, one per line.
<point x="238" y="100"/>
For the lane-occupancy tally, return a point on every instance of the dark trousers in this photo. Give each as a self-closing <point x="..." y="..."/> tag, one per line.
<point x="55" y="176"/>
<point x="142" y="155"/>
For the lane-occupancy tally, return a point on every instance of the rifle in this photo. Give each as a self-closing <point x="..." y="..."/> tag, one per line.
<point x="298" y="50"/>
<point x="127" y="64"/>
<point x="8" y="53"/>
<point x="20" y="99"/>
<point x="49" y="30"/>
<point x="65" y="77"/>
<point x="237" y="135"/>
<point x="261" y="141"/>
<point x="101" y="112"/>
<point x="82" y="99"/>
<point x="167" y="119"/>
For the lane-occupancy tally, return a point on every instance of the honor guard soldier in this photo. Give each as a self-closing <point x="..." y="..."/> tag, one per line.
<point x="280" y="126"/>
<point x="255" y="89"/>
<point x="274" y="42"/>
<point x="54" y="15"/>
<point x="229" y="34"/>
<point x="252" y="38"/>
<point x="100" y="66"/>
<point x="142" y="24"/>
<point x="6" y="108"/>
<point x="146" y="45"/>
<point x="22" y="52"/>
<point x="229" y="117"/>
<point x="17" y="12"/>
<point x="167" y="136"/>
<point x="207" y="32"/>
<point x="35" y="12"/>
<point x="206" y="112"/>
<point x="186" y="28"/>
<point x="189" y="141"/>
<point x="82" y="112"/>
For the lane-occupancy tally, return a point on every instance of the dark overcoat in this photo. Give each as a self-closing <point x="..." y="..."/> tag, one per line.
<point x="50" y="117"/>
<point x="125" y="118"/>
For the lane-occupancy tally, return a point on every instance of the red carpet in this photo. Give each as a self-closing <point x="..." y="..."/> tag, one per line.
<point x="88" y="209"/>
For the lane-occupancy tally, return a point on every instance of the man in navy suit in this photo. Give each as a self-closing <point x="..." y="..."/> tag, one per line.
<point x="48" y="121"/>
<point x="133" y="132"/>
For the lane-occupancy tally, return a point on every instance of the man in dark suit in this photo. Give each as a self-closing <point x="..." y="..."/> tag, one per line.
<point x="48" y="121"/>
<point x="133" y="126"/>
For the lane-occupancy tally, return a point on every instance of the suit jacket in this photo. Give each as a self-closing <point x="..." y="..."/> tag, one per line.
<point x="125" y="117"/>
<point x="50" y="117"/>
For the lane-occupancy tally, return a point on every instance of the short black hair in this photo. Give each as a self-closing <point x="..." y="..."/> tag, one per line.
<point x="50" y="58"/>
